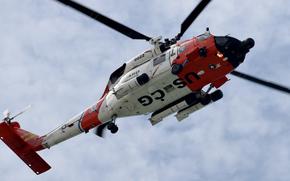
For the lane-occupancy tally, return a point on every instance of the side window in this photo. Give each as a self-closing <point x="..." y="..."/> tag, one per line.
<point x="181" y="49"/>
<point x="159" y="60"/>
<point x="117" y="73"/>
<point x="203" y="37"/>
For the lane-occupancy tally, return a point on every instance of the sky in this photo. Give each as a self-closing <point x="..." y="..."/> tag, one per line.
<point x="59" y="61"/>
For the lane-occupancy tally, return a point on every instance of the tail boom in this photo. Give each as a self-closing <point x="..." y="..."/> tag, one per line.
<point x="26" y="144"/>
<point x="83" y="122"/>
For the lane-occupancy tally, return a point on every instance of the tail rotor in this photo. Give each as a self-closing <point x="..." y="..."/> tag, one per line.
<point x="7" y="114"/>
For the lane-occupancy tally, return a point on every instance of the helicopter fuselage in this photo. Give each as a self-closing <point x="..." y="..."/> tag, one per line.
<point x="127" y="97"/>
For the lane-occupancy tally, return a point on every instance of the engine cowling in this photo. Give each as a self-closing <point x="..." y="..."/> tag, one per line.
<point x="123" y="88"/>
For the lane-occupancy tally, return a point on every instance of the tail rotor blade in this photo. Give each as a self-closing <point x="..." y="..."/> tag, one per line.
<point x="6" y="114"/>
<point x="21" y="112"/>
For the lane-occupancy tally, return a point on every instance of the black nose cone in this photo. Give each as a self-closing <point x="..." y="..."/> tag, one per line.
<point x="234" y="49"/>
<point x="247" y="44"/>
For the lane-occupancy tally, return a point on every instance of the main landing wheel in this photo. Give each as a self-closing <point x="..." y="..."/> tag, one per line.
<point x="176" y="68"/>
<point x="205" y="99"/>
<point x="113" y="128"/>
<point x="216" y="95"/>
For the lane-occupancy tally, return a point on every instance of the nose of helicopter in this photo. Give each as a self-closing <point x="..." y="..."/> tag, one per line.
<point x="234" y="49"/>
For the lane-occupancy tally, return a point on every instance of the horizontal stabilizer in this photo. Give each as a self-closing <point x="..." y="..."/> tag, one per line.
<point x="25" y="151"/>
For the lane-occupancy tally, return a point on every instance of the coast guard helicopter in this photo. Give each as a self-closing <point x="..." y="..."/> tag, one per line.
<point x="172" y="77"/>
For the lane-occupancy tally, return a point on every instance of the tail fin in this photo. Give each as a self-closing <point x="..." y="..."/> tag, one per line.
<point x="24" y="144"/>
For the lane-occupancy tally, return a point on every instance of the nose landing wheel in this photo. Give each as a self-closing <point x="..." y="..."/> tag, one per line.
<point x="216" y="95"/>
<point x="205" y="99"/>
<point x="113" y="127"/>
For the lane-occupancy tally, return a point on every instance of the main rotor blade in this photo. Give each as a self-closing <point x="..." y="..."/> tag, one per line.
<point x="192" y="16"/>
<point x="261" y="82"/>
<point x="105" y="20"/>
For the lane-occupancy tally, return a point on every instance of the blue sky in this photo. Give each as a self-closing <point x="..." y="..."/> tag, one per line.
<point x="59" y="61"/>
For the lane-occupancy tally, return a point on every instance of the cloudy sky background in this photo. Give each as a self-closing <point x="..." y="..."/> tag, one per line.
<point x="59" y="61"/>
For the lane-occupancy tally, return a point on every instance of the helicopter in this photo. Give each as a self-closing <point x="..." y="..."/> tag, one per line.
<point x="169" y="78"/>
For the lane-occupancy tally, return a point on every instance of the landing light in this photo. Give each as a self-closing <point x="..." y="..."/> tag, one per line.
<point x="220" y="55"/>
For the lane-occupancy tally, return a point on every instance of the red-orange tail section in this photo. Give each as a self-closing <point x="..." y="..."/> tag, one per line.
<point x="24" y="144"/>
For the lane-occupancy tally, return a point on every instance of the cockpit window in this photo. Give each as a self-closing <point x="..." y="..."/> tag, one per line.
<point x="159" y="60"/>
<point x="203" y="36"/>
<point x="117" y="73"/>
<point x="181" y="49"/>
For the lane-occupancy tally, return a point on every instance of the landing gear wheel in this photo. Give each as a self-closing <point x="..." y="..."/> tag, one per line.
<point x="205" y="100"/>
<point x="113" y="128"/>
<point x="176" y="68"/>
<point x="216" y="95"/>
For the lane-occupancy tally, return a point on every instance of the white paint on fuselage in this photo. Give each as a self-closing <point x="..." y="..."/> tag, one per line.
<point x="160" y="77"/>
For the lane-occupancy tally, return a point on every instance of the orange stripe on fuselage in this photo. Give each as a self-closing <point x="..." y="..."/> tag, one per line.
<point x="91" y="116"/>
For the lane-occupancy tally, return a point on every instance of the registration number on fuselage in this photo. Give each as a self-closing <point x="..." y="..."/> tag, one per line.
<point x="159" y="94"/>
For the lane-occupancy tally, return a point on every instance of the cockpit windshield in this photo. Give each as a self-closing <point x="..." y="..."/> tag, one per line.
<point x="181" y="49"/>
<point x="203" y="36"/>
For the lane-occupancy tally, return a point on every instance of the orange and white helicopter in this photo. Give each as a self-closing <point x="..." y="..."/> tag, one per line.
<point x="173" y="77"/>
